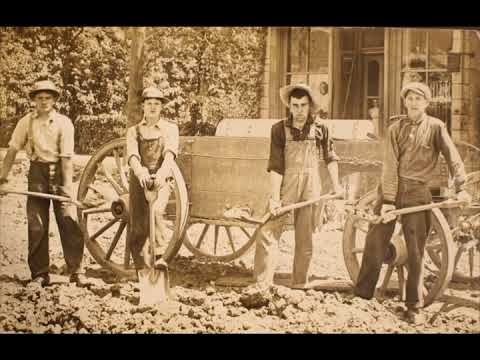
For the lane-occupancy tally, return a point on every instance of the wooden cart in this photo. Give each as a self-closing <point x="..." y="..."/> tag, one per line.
<point x="216" y="175"/>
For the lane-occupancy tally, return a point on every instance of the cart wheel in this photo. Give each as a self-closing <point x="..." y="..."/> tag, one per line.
<point x="205" y="240"/>
<point x="392" y="277"/>
<point x="466" y="245"/>
<point x="104" y="185"/>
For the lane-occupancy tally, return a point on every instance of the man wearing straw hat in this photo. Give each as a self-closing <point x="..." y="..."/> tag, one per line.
<point x="296" y="143"/>
<point x="48" y="138"/>
<point x="412" y="148"/>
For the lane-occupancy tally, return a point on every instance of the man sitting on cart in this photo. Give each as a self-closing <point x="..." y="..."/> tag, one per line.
<point x="412" y="147"/>
<point x="296" y="143"/>
<point x="152" y="146"/>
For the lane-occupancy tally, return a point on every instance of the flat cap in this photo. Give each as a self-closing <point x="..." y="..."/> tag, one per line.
<point x="152" y="93"/>
<point x="418" y="88"/>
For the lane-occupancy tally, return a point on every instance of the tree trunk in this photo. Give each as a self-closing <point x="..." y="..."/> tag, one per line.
<point x="135" y="83"/>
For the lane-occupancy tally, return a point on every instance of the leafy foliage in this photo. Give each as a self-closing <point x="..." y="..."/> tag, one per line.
<point x="93" y="131"/>
<point x="207" y="73"/>
<point x="88" y="64"/>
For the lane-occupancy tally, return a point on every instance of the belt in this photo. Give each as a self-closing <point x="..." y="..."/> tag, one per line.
<point x="42" y="163"/>
<point x="412" y="181"/>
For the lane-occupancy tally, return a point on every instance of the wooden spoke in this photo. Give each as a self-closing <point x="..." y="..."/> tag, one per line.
<point x="124" y="158"/>
<point x="122" y="226"/>
<point x="386" y="279"/>
<point x="215" y="241"/>
<point x="96" y="210"/>
<point x="104" y="228"/>
<point x="230" y="239"/>
<point x="245" y="232"/>
<point x="471" y="260"/>
<point x="361" y="225"/>
<point x="401" y="282"/>
<point x="437" y="246"/>
<point x="202" y="235"/>
<point x="118" y="189"/>
<point x="108" y="195"/>
<point x="121" y="170"/>
<point x="358" y="250"/>
<point x="459" y="254"/>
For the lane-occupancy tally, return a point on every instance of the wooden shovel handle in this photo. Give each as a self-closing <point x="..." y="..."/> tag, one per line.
<point x="45" y="196"/>
<point x="441" y="205"/>
<point x="290" y="207"/>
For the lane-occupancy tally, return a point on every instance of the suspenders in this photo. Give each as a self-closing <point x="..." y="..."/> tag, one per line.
<point x="30" y="148"/>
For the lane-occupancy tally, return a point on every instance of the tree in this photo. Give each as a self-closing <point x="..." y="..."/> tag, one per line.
<point x="208" y="73"/>
<point x="135" y="85"/>
<point x="89" y="65"/>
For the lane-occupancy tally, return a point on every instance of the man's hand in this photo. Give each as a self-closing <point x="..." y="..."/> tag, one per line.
<point x="464" y="196"/>
<point x="143" y="177"/>
<point x="273" y="206"/>
<point x="162" y="174"/>
<point x="384" y="213"/>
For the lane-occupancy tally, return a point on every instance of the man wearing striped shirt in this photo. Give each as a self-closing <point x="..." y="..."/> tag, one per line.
<point x="412" y="148"/>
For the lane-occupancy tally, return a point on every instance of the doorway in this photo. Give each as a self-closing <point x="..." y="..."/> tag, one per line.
<point x="373" y="101"/>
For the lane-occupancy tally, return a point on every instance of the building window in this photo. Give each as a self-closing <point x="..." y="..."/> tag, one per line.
<point x="308" y="61"/>
<point x="424" y="59"/>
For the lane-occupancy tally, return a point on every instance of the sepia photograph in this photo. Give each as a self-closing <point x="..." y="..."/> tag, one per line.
<point x="239" y="180"/>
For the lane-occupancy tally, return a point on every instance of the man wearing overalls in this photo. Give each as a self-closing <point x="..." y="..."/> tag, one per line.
<point x="48" y="138"/>
<point x="412" y="147"/>
<point x="295" y="147"/>
<point x="152" y="146"/>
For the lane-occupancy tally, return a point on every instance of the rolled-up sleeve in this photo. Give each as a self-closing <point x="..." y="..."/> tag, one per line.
<point x="325" y="143"/>
<point x="132" y="145"/>
<point x="67" y="136"/>
<point x="19" y="136"/>
<point x="276" y="161"/>
<point x="171" y="139"/>
<point x="454" y="161"/>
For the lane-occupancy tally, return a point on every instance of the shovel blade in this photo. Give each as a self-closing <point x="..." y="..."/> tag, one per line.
<point x="154" y="287"/>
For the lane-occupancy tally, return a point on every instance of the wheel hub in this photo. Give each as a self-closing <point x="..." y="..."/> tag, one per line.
<point x="119" y="208"/>
<point x="397" y="251"/>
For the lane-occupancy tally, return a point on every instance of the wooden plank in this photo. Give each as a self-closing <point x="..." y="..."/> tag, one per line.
<point x="316" y="284"/>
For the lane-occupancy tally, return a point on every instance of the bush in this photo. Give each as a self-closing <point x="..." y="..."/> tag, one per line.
<point x="92" y="131"/>
<point x="6" y="129"/>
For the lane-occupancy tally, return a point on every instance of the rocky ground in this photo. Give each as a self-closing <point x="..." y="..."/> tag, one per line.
<point x="199" y="304"/>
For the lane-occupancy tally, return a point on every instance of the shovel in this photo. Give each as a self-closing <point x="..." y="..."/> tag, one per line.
<point x="392" y="214"/>
<point x="44" y="196"/>
<point x="153" y="281"/>
<point x="287" y="208"/>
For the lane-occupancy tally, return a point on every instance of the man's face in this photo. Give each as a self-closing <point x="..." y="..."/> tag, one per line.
<point x="415" y="104"/>
<point x="300" y="108"/>
<point x="44" y="101"/>
<point x="152" y="107"/>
